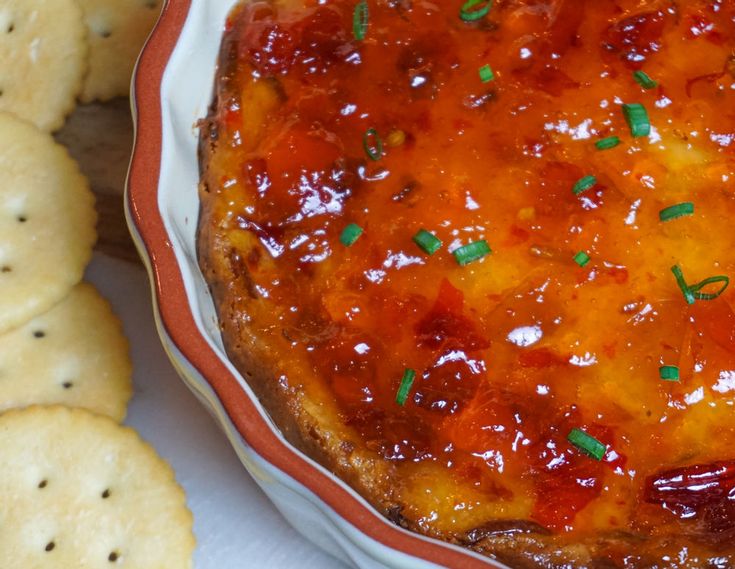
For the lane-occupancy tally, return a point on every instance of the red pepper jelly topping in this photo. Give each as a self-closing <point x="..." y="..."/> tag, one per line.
<point x="539" y="298"/>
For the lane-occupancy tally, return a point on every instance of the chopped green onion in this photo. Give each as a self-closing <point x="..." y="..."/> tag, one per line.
<point x="374" y="150"/>
<point x="472" y="252"/>
<point x="586" y="443"/>
<point x="486" y="74"/>
<point x="427" y="241"/>
<point x="584" y="184"/>
<point x="581" y="258"/>
<point x="642" y="78"/>
<point x="350" y="234"/>
<point x="360" y="20"/>
<point x="607" y="143"/>
<point x="637" y="119"/>
<point x="408" y="376"/>
<point x="470" y="12"/>
<point x="695" y="288"/>
<point x="674" y="211"/>
<point x="669" y="373"/>
<point x="686" y="291"/>
<point x="691" y="292"/>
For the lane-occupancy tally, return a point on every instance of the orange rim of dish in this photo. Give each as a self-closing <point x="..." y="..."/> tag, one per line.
<point x="177" y="318"/>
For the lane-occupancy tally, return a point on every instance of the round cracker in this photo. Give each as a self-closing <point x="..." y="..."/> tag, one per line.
<point x="75" y="354"/>
<point x="43" y="59"/>
<point x="47" y="222"/>
<point x="117" y="31"/>
<point x="79" y="490"/>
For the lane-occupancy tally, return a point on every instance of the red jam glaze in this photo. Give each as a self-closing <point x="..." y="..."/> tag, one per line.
<point x="515" y="350"/>
<point x="705" y="491"/>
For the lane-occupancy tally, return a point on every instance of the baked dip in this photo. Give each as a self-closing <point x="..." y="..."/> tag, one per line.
<point x="474" y="258"/>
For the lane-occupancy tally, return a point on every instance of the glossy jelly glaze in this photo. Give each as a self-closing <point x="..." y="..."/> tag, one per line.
<point x="389" y="120"/>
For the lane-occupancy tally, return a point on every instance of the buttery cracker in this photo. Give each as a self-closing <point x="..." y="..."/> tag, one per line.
<point x="79" y="490"/>
<point x="47" y="222"/>
<point x="75" y="354"/>
<point x="43" y="59"/>
<point x="117" y="31"/>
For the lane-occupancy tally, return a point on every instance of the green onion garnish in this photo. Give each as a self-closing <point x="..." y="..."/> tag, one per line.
<point x="691" y="292"/>
<point x="472" y="252"/>
<point x="486" y="74"/>
<point x="586" y="443"/>
<point x="427" y="241"/>
<point x="642" y="78"/>
<point x="669" y="373"/>
<point x="686" y="291"/>
<point x="607" y="143"/>
<point x="581" y="258"/>
<point x="360" y="20"/>
<point x="470" y="12"/>
<point x="408" y="376"/>
<point x="674" y="211"/>
<point x="374" y="150"/>
<point x="695" y="288"/>
<point x="637" y="119"/>
<point x="350" y="234"/>
<point x="584" y="184"/>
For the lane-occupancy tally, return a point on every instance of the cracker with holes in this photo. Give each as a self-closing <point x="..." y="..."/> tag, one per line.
<point x="79" y="490"/>
<point x="75" y="354"/>
<point x="43" y="59"/>
<point x="47" y="222"/>
<point x="117" y="31"/>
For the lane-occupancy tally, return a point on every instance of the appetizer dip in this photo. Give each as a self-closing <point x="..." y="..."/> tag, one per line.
<point x="474" y="258"/>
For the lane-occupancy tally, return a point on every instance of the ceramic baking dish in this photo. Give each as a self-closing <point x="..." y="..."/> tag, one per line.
<point x="172" y="89"/>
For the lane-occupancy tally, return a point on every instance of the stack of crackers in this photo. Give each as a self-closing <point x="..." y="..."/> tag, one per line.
<point x="77" y="489"/>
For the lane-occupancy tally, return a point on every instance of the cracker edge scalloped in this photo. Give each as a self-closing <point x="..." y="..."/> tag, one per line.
<point x="126" y="390"/>
<point x="66" y="109"/>
<point x="168" y="474"/>
<point x="109" y="90"/>
<point x="92" y="237"/>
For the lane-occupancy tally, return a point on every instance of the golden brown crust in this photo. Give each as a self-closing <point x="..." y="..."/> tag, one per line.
<point x="281" y="400"/>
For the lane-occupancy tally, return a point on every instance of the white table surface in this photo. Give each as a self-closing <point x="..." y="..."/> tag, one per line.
<point x="235" y="524"/>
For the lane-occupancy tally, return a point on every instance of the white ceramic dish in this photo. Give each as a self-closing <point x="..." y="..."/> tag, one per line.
<point x="172" y="90"/>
